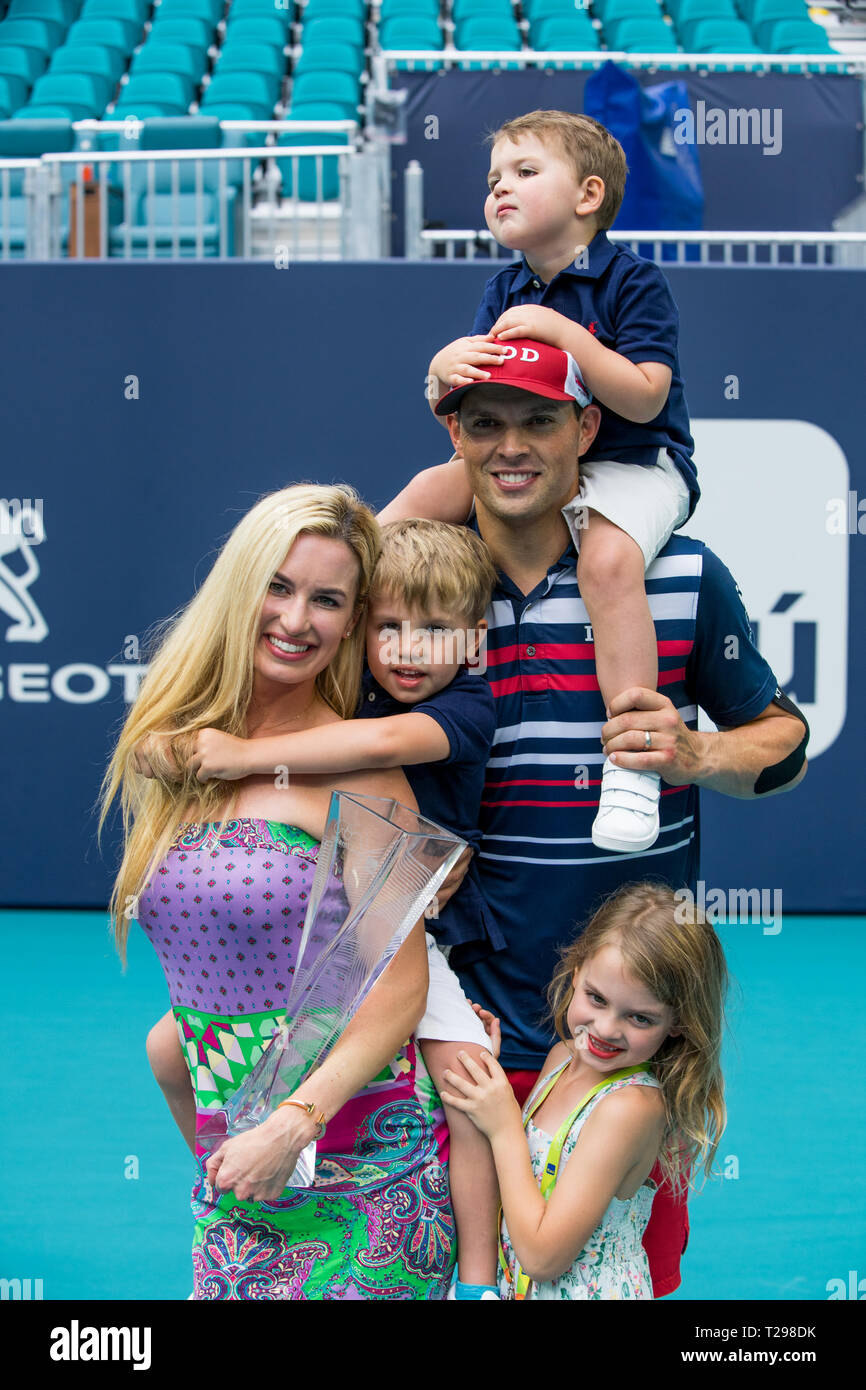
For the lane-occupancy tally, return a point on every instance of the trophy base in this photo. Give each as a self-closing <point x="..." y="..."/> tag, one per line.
<point x="215" y="1130"/>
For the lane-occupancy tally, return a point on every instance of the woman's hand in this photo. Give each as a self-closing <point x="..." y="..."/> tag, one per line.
<point x="217" y="755"/>
<point x="487" y="1099"/>
<point x="491" y="1027"/>
<point x="257" y="1165"/>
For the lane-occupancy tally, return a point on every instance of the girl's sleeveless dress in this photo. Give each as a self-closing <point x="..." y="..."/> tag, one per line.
<point x="613" y="1263"/>
<point x="224" y="912"/>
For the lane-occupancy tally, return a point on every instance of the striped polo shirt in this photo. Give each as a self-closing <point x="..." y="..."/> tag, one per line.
<point x="540" y="872"/>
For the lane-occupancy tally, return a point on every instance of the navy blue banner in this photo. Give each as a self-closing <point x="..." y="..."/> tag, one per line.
<point x="145" y="408"/>
<point x="795" y="168"/>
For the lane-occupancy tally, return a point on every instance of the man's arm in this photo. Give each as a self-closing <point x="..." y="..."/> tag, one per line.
<point x="762" y="757"/>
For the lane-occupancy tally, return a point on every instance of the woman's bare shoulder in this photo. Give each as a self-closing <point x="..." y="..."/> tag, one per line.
<point x="380" y="781"/>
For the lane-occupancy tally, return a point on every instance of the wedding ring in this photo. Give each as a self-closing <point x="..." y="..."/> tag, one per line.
<point x="647" y="739"/>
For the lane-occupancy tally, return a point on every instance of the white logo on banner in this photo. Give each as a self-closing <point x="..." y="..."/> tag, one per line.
<point x="21" y="527"/>
<point x="765" y="485"/>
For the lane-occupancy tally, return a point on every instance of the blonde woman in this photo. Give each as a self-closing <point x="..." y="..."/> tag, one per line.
<point x="218" y="876"/>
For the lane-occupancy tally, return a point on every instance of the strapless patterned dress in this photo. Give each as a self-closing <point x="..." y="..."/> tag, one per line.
<point x="224" y="912"/>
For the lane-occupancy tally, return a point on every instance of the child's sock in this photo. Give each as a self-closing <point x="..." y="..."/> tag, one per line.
<point x="474" y="1291"/>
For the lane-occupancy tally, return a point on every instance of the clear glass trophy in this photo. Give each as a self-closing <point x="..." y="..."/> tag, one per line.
<point x="379" y="866"/>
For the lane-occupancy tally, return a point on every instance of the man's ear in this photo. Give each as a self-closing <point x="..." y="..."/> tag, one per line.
<point x="590" y="420"/>
<point x="453" y="423"/>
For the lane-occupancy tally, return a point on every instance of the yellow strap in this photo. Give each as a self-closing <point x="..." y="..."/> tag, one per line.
<point x="554" y="1153"/>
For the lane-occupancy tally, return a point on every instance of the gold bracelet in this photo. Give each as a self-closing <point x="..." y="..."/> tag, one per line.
<point x="310" y="1107"/>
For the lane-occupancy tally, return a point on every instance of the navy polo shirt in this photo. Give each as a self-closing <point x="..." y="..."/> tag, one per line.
<point x="449" y="792"/>
<point x="626" y="303"/>
<point x="540" y="872"/>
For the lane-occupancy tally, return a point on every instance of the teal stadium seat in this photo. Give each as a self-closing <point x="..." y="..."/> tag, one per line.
<point x="552" y="34"/>
<point x="237" y="56"/>
<point x="330" y="57"/>
<point x="157" y="93"/>
<point x="136" y="111"/>
<point x="337" y="89"/>
<point x="74" y="95"/>
<point x="102" y="62"/>
<point x="257" y="29"/>
<point x="132" y="11"/>
<point x="799" y="36"/>
<point x="320" y="111"/>
<point x="327" y="9"/>
<point x="26" y="63"/>
<point x="120" y="34"/>
<point x="340" y="28"/>
<point x="259" y="9"/>
<point x="252" y="90"/>
<point x="13" y="94"/>
<point x="162" y="223"/>
<point x="24" y="139"/>
<point x="488" y="34"/>
<point x="208" y="11"/>
<point x="721" y="36"/>
<point x="419" y="33"/>
<point x="500" y="10"/>
<point x="644" y="36"/>
<point x="38" y="34"/>
<point x="615" y="10"/>
<point x="308" y="176"/>
<point x="197" y="34"/>
<point x="157" y="57"/>
<point x="60" y="12"/>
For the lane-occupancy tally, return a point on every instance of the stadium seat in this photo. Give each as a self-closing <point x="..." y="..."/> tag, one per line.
<point x="330" y="57"/>
<point x="249" y="89"/>
<point x="689" y="11"/>
<point x="488" y="34"/>
<point x="257" y="29"/>
<point x="119" y="34"/>
<point x="644" y="36"/>
<point x="26" y="63"/>
<point x="341" y="28"/>
<point x="308" y="177"/>
<point x="74" y="94"/>
<point x="259" y="9"/>
<point x="132" y="11"/>
<point x="136" y="111"/>
<point x="27" y="139"/>
<point x="197" y="34"/>
<point x="163" y="93"/>
<point x="721" y="36"/>
<point x="60" y="12"/>
<point x="209" y="11"/>
<point x="798" y="36"/>
<point x="328" y="9"/>
<point x="319" y="111"/>
<point x="338" y="89"/>
<point x="616" y="10"/>
<point x="103" y="62"/>
<point x="170" y="57"/>
<point x="576" y="34"/>
<point x="163" y="226"/>
<point x="500" y="10"/>
<point x="13" y="94"/>
<point x="39" y="34"/>
<point x="237" y="56"/>
<point x="419" y="33"/>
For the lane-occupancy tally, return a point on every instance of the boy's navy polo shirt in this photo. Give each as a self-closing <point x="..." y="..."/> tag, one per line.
<point x="626" y="303"/>
<point x="540" y="872"/>
<point x="449" y="792"/>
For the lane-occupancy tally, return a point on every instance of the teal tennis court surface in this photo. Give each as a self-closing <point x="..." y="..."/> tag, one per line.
<point x="96" y="1179"/>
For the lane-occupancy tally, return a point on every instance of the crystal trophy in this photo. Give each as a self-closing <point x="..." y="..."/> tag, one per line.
<point x="379" y="866"/>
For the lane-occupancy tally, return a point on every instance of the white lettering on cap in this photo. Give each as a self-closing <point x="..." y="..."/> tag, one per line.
<point x="528" y="355"/>
<point x="508" y="350"/>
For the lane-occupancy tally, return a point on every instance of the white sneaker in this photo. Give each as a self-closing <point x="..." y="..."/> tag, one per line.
<point x="628" y="809"/>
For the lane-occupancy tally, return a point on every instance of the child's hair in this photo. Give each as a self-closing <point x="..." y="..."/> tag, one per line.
<point x="586" y="143"/>
<point x="431" y="562"/>
<point x="674" y="952"/>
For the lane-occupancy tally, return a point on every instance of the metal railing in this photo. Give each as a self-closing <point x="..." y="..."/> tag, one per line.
<point x="450" y="57"/>
<point x="211" y="203"/>
<point x="708" y="248"/>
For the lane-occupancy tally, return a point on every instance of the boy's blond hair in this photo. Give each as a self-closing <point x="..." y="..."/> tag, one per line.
<point x="588" y="145"/>
<point x="429" y="563"/>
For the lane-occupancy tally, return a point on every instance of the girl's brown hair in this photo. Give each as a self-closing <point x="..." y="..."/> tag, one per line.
<point x="668" y="946"/>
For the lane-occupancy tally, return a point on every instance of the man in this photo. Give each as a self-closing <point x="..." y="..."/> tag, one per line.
<point x="521" y="434"/>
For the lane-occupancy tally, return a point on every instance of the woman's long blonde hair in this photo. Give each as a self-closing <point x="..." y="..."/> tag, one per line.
<point x="201" y="673"/>
<point x="668" y="946"/>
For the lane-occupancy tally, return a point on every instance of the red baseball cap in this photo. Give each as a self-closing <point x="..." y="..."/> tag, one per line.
<point x="530" y="366"/>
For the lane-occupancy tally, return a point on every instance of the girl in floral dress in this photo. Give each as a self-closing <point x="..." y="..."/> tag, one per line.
<point x="638" y="1002"/>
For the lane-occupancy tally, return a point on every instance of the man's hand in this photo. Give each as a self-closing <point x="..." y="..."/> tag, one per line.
<point x="466" y="360"/>
<point x="675" y="752"/>
<point x="218" y="756"/>
<point x="532" y="321"/>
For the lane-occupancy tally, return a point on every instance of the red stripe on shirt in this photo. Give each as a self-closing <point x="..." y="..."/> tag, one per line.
<point x="574" y="651"/>
<point x="560" y="680"/>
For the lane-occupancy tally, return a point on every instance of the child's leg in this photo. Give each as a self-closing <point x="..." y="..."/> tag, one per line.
<point x="610" y="572"/>
<point x="474" y="1189"/>
<point x="168" y="1065"/>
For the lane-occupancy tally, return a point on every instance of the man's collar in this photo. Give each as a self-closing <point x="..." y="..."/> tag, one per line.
<point x="566" y="561"/>
<point x="600" y="252"/>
